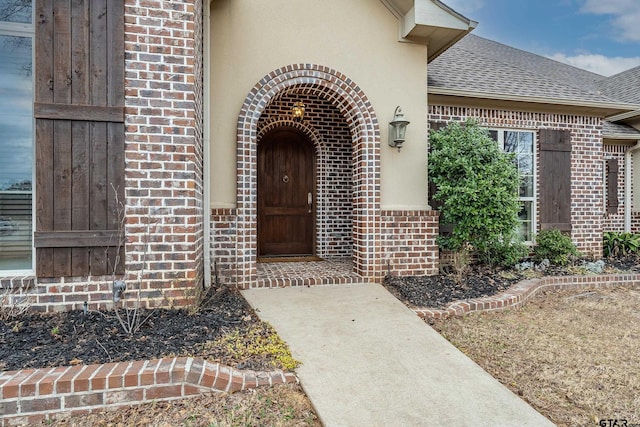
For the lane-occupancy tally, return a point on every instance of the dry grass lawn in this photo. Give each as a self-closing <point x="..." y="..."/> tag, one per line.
<point x="573" y="355"/>
<point x="280" y="406"/>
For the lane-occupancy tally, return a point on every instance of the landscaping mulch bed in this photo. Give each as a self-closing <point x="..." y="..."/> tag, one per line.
<point x="39" y="340"/>
<point x="436" y="291"/>
<point x="483" y="281"/>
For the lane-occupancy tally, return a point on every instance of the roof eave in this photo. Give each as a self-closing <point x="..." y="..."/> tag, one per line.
<point x="429" y="22"/>
<point x="603" y="108"/>
<point x="621" y="136"/>
<point x="625" y="116"/>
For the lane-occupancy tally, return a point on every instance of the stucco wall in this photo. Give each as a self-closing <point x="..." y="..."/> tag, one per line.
<point x="358" y="38"/>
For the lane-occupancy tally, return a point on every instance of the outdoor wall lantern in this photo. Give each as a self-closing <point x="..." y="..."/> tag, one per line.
<point x="298" y="111"/>
<point x="398" y="129"/>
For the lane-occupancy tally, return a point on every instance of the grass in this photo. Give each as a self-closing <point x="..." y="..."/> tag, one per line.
<point x="279" y="406"/>
<point x="573" y="355"/>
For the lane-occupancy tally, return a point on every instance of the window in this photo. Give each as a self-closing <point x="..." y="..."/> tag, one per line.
<point x="16" y="135"/>
<point x="522" y="144"/>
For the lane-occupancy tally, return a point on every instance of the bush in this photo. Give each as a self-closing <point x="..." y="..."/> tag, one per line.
<point x="505" y="254"/>
<point x="478" y="185"/>
<point x="554" y="246"/>
<point x="620" y="244"/>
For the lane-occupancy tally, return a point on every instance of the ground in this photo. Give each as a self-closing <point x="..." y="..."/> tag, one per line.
<point x="573" y="355"/>
<point x="226" y="329"/>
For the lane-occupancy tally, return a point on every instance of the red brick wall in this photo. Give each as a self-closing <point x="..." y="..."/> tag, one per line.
<point x="587" y="208"/>
<point x="408" y="242"/>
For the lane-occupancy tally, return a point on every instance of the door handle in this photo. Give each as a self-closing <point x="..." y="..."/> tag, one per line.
<point x="310" y="201"/>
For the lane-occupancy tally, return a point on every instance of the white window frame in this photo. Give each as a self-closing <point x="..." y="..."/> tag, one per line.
<point x="18" y="29"/>
<point x="534" y="198"/>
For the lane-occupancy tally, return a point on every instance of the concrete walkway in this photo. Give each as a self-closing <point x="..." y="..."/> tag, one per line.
<point x="370" y="361"/>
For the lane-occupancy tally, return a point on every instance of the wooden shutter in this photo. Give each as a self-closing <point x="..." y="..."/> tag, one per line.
<point x="612" y="186"/>
<point x="79" y="111"/>
<point x="555" y="179"/>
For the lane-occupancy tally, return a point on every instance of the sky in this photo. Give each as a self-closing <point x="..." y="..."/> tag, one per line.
<point x="602" y="36"/>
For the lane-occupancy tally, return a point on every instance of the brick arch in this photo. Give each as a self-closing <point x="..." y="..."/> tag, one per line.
<point x="309" y="131"/>
<point x="361" y="119"/>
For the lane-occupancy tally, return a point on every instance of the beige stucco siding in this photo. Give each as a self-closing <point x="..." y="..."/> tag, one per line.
<point x="359" y="38"/>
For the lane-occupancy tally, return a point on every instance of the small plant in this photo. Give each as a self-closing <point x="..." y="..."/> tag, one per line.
<point x="55" y="331"/>
<point x="620" y="244"/>
<point x="554" y="246"/>
<point x="13" y="305"/>
<point x="259" y="340"/>
<point x="505" y="254"/>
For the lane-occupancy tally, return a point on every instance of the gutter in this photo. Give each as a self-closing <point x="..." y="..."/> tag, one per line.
<point x="624" y="116"/>
<point x="532" y="99"/>
<point x="206" y="129"/>
<point x="628" y="185"/>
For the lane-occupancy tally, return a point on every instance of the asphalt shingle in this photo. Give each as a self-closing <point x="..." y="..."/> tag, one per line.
<point x="478" y="64"/>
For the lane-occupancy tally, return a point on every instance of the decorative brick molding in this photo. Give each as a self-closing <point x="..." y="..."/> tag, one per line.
<point x="587" y="185"/>
<point x="32" y="395"/>
<point x="408" y="241"/>
<point x="353" y="105"/>
<point x="519" y="293"/>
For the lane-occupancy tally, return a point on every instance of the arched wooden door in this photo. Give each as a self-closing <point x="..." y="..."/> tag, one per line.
<point x="286" y="193"/>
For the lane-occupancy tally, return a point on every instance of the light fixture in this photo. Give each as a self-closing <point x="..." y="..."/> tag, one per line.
<point x="397" y="129"/>
<point x="298" y="111"/>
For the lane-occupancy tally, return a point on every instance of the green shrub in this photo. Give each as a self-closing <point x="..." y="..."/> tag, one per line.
<point x="620" y="244"/>
<point x="554" y="246"/>
<point x="477" y="184"/>
<point x="505" y="254"/>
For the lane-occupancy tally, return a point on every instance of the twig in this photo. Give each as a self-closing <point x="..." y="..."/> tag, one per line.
<point x="585" y="294"/>
<point x="105" y="350"/>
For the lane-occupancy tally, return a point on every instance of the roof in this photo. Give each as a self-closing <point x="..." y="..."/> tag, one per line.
<point x="481" y="68"/>
<point x="624" y="86"/>
<point x="481" y="65"/>
<point x="619" y="131"/>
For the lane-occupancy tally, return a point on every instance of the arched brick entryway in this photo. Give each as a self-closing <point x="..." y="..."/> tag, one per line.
<point x="358" y="113"/>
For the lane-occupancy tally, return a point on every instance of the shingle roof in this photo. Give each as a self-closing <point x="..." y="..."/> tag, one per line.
<point x="481" y="65"/>
<point x="624" y="86"/>
<point x="609" y="129"/>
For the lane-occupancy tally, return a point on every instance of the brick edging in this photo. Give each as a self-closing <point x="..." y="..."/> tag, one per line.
<point x="31" y="395"/>
<point x="519" y="293"/>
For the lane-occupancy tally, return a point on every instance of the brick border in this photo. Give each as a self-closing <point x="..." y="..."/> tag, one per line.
<point x="32" y="395"/>
<point x="519" y="293"/>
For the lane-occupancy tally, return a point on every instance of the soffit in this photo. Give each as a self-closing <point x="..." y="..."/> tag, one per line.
<point x="429" y="22"/>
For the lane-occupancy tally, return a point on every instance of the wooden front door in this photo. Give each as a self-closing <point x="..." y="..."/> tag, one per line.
<point x="286" y="194"/>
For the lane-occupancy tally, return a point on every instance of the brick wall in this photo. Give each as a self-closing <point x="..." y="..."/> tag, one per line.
<point x="408" y="242"/>
<point x="587" y="208"/>
<point x="223" y="246"/>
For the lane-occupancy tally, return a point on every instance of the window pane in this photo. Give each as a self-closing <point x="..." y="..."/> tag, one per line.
<point x="16" y="152"/>
<point x="526" y="220"/>
<point x="493" y="134"/>
<point x="15" y="11"/>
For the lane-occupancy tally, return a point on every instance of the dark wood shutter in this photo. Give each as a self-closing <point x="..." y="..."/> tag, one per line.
<point x="612" y="186"/>
<point x="555" y="179"/>
<point x="79" y="111"/>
